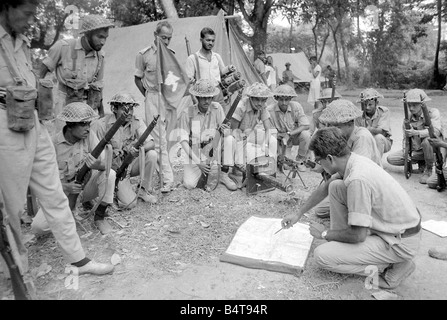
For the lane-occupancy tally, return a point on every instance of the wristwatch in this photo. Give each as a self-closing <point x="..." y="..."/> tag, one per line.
<point x="324" y="234"/>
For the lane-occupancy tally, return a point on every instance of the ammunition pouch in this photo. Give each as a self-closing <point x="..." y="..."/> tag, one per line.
<point x="94" y="98"/>
<point x="45" y="99"/>
<point x="74" y="88"/>
<point x="20" y="105"/>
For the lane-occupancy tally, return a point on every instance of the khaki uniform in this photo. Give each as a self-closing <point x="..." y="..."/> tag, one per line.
<point x="29" y="159"/>
<point x="146" y="70"/>
<point x="126" y="136"/>
<point x="380" y="120"/>
<point x="202" y="128"/>
<point x="293" y="118"/>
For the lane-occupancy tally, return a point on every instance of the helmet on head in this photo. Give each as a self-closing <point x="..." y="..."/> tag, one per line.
<point x="258" y="90"/>
<point x="94" y="22"/>
<point x="122" y="98"/>
<point x="327" y="94"/>
<point x="204" y="88"/>
<point x="77" y="112"/>
<point x="340" y="111"/>
<point x="369" y="94"/>
<point x="284" y="90"/>
<point x="417" y="95"/>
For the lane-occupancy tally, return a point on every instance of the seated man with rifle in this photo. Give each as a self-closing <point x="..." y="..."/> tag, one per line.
<point x="376" y="119"/>
<point x="74" y="145"/>
<point x="416" y="130"/>
<point x="199" y="125"/>
<point x="132" y="142"/>
<point x="252" y="127"/>
<point x="289" y="119"/>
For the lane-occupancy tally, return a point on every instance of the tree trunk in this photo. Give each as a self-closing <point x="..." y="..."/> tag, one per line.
<point x="169" y="8"/>
<point x="436" y="81"/>
<point x="323" y="46"/>
<point x="346" y="59"/>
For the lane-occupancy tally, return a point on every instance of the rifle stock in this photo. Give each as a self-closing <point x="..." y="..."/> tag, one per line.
<point x="128" y="158"/>
<point x="408" y="142"/>
<point x="18" y="285"/>
<point x="81" y="174"/>
<point x="203" y="180"/>
<point x="439" y="159"/>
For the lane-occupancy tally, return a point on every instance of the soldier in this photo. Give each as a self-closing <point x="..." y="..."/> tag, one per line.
<point x="324" y="99"/>
<point x="342" y="114"/>
<point x="28" y="157"/>
<point x="79" y="66"/>
<point x="376" y="119"/>
<point x="122" y="143"/>
<point x="251" y="126"/>
<point x="147" y="83"/>
<point x="422" y="149"/>
<point x="74" y="144"/>
<point x="207" y="117"/>
<point x="289" y="119"/>
<point x="374" y="222"/>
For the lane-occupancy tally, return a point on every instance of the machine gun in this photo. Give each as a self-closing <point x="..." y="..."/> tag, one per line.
<point x="260" y="176"/>
<point x="85" y="171"/>
<point x="408" y="148"/>
<point x="128" y="157"/>
<point x="210" y="150"/>
<point x="439" y="159"/>
<point x="18" y="285"/>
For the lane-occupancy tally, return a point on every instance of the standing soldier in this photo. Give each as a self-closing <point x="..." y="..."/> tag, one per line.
<point x="147" y="82"/>
<point x="27" y="154"/>
<point x="376" y="119"/>
<point x="79" y="65"/>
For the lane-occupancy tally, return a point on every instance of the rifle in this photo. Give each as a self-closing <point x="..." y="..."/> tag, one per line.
<point x="18" y="285"/>
<point x="210" y="148"/>
<point x="188" y="47"/>
<point x="333" y="89"/>
<point x="128" y="157"/>
<point x="439" y="159"/>
<point x="408" y="167"/>
<point x="84" y="171"/>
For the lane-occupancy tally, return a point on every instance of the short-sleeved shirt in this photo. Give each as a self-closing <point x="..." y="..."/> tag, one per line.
<point x="19" y="57"/>
<point x="125" y="136"/>
<point x="271" y="79"/>
<point x="207" y="69"/>
<point x="293" y="118"/>
<point x="88" y="66"/>
<point x="418" y="123"/>
<point x="201" y="126"/>
<point x="362" y="142"/>
<point x="146" y="67"/>
<point x="259" y="66"/>
<point x="247" y="117"/>
<point x="380" y="120"/>
<point x="71" y="157"/>
<point x="376" y="200"/>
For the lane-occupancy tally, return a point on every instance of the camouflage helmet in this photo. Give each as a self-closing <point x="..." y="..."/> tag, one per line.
<point x="369" y="94"/>
<point x="124" y="98"/>
<point x="204" y="88"/>
<point x="77" y="112"/>
<point x="417" y="95"/>
<point x="258" y="90"/>
<point x="340" y="111"/>
<point x="94" y="22"/>
<point x="284" y="90"/>
<point x="327" y="94"/>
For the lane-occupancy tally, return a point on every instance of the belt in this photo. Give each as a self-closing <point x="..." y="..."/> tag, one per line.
<point x="412" y="231"/>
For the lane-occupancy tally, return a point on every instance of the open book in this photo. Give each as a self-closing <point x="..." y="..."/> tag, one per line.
<point x="255" y="245"/>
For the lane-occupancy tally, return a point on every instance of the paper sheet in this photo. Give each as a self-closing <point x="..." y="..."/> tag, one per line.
<point x="437" y="227"/>
<point x="256" y="243"/>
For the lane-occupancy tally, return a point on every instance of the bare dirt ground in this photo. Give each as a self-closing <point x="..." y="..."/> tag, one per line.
<point x="170" y="251"/>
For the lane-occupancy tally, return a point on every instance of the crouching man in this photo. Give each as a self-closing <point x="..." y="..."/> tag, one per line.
<point x="74" y="145"/>
<point x="374" y="222"/>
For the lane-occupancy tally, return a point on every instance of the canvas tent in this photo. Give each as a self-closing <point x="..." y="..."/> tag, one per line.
<point x="299" y="64"/>
<point x="123" y="44"/>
